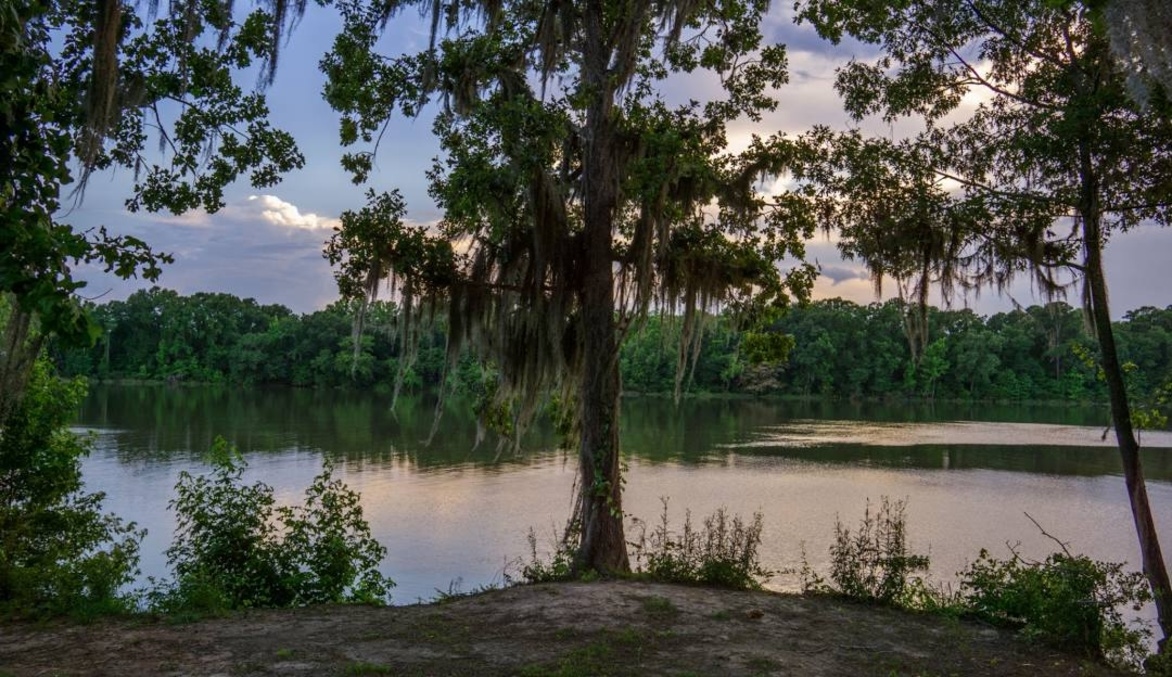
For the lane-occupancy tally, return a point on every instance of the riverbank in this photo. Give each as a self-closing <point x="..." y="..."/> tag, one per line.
<point x="385" y="389"/>
<point x="602" y="628"/>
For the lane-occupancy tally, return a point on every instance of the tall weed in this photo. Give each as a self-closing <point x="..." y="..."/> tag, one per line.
<point x="873" y="563"/>
<point x="722" y="554"/>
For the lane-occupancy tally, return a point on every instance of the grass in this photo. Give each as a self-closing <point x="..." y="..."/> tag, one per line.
<point x="660" y="607"/>
<point x="612" y="652"/>
<point x="587" y="661"/>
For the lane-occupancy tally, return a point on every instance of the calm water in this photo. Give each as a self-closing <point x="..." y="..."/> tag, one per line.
<point x="456" y="515"/>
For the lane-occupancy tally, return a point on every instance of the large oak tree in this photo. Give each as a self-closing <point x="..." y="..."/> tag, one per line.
<point x="576" y="195"/>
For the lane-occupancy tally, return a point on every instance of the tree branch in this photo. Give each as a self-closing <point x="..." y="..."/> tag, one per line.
<point x="1050" y="536"/>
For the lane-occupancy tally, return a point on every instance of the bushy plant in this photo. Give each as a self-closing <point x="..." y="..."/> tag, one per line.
<point x="59" y="553"/>
<point x="723" y="554"/>
<point x="235" y="548"/>
<point x="873" y="563"/>
<point x="1066" y="600"/>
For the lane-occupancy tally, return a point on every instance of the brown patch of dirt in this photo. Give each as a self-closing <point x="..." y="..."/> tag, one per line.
<point x="602" y="628"/>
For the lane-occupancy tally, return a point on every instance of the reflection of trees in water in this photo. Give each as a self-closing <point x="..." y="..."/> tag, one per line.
<point x="1044" y="460"/>
<point x="155" y="423"/>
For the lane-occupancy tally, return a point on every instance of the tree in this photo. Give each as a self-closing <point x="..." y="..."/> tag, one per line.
<point x="1053" y="160"/>
<point x="87" y="84"/>
<point x="58" y="552"/>
<point x="579" y="197"/>
<point x="1141" y="42"/>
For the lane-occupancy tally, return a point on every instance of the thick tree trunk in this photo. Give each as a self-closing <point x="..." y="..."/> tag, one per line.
<point x="602" y="546"/>
<point x="1145" y="526"/>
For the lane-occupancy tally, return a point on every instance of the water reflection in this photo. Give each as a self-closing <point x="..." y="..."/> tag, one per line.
<point x="454" y="510"/>
<point x="167" y="424"/>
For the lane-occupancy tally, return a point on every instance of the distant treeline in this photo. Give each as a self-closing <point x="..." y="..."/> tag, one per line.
<point x="840" y="349"/>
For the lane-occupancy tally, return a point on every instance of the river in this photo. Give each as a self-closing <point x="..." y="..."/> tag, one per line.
<point x="455" y="515"/>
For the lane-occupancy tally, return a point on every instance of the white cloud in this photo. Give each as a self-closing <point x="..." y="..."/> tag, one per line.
<point x="286" y="214"/>
<point x="196" y="218"/>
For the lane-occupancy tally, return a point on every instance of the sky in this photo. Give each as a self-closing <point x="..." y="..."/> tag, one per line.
<point x="266" y="244"/>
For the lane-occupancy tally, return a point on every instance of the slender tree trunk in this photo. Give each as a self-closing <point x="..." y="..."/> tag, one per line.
<point x="19" y="348"/>
<point x="603" y="546"/>
<point x="1141" y="511"/>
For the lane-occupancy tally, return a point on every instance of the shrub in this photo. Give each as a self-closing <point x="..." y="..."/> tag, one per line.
<point x="1068" y="601"/>
<point x="59" y="554"/>
<point x="234" y="548"/>
<point x="873" y="563"/>
<point x="724" y="554"/>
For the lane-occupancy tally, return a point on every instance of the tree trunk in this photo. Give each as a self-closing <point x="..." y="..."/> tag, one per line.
<point x="1153" y="559"/>
<point x="602" y="546"/>
<point x="19" y="349"/>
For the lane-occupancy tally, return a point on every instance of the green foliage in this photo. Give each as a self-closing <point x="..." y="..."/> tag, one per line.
<point x="1066" y="600"/>
<point x="1147" y="404"/>
<point x="82" y="88"/>
<point x="830" y="347"/>
<point x="1158" y="665"/>
<point x="765" y="346"/>
<point x="873" y="564"/>
<point x="580" y="195"/>
<point x="235" y="548"/>
<point x="59" y="554"/>
<point x="723" y="554"/>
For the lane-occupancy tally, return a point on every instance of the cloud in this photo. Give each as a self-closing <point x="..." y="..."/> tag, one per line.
<point x="837" y="274"/>
<point x="780" y="28"/>
<point x="286" y="214"/>
<point x="256" y="246"/>
<point x="196" y="218"/>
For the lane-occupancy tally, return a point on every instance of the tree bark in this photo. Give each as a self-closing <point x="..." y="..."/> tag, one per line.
<point x="1152" y="557"/>
<point x="602" y="546"/>
<point x="19" y="349"/>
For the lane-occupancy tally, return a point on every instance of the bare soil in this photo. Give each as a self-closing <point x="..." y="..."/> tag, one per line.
<point x="602" y="628"/>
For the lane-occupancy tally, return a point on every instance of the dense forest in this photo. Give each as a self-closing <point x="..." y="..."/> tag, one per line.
<point x="840" y="349"/>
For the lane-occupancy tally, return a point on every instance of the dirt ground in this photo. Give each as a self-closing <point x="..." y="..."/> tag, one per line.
<point x="603" y="628"/>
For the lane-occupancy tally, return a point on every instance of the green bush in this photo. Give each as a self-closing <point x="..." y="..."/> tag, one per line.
<point x="235" y="548"/>
<point x="723" y="554"/>
<point x="1068" y="601"/>
<point x="873" y="564"/>
<point x="59" y="554"/>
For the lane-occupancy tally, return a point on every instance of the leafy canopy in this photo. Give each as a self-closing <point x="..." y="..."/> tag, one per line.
<point x="88" y="86"/>
<point x="512" y="97"/>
